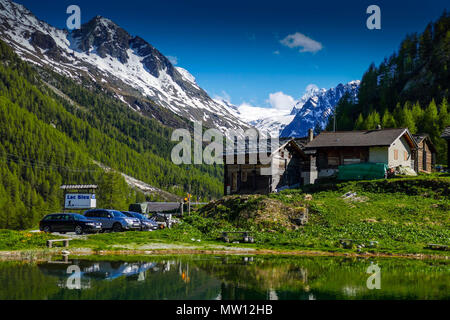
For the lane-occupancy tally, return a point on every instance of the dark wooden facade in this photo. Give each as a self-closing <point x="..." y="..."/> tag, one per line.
<point x="249" y="178"/>
<point x="425" y="155"/>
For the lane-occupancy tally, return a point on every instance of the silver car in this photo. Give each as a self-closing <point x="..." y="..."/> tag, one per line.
<point x="113" y="220"/>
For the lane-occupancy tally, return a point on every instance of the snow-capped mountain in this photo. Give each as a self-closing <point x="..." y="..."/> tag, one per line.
<point x="110" y="56"/>
<point x="316" y="110"/>
<point x="314" y="107"/>
<point x="310" y="92"/>
<point x="272" y="125"/>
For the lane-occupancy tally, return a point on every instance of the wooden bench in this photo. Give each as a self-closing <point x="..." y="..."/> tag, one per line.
<point x="64" y="241"/>
<point x="245" y="235"/>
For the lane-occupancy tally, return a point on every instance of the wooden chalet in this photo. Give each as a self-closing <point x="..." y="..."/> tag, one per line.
<point x="287" y="161"/>
<point x="425" y="154"/>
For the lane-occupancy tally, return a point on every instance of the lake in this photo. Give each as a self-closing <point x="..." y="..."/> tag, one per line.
<point x="209" y="277"/>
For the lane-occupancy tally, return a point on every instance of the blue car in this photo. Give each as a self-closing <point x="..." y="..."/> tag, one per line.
<point x="113" y="220"/>
<point x="146" y="224"/>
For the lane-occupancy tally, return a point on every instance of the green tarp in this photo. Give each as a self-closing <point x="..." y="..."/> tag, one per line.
<point x="362" y="171"/>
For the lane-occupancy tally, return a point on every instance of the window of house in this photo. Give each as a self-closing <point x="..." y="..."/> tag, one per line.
<point x="405" y="154"/>
<point x="395" y="154"/>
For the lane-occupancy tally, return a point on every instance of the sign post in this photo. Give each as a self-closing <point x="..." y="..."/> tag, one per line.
<point x="80" y="201"/>
<point x="79" y="197"/>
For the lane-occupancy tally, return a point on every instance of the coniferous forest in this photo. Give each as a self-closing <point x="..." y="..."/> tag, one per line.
<point x="410" y="89"/>
<point x="47" y="140"/>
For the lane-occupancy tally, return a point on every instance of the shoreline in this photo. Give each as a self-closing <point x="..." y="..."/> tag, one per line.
<point x="40" y="254"/>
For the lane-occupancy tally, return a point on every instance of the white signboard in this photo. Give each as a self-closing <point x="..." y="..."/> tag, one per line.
<point x="80" y="201"/>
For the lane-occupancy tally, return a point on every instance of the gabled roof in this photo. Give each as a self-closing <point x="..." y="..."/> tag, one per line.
<point x="446" y="133"/>
<point x="423" y="136"/>
<point x="254" y="148"/>
<point x="370" y="138"/>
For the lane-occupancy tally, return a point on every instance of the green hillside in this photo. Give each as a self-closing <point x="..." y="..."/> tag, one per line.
<point x="46" y="141"/>
<point x="408" y="89"/>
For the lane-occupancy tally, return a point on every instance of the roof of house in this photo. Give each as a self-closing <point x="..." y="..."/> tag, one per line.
<point x="446" y="133"/>
<point x="371" y="138"/>
<point x="254" y="148"/>
<point x="423" y="136"/>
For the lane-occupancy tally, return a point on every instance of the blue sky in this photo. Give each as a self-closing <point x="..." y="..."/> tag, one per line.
<point x="235" y="48"/>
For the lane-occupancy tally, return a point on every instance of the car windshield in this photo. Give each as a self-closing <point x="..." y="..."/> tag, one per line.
<point x="118" y="214"/>
<point x="78" y="217"/>
<point x="128" y="214"/>
<point x="137" y="215"/>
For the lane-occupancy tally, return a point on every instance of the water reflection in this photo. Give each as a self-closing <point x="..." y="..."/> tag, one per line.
<point x="222" y="277"/>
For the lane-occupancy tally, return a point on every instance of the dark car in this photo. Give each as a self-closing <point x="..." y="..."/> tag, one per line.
<point x="146" y="224"/>
<point x="113" y="220"/>
<point x="69" y="222"/>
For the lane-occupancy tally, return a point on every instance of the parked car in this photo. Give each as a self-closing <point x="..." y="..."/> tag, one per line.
<point x="113" y="220"/>
<point x="163" y="220"/>
<point x="146" y="224"/>
<point x="69" y="222"/>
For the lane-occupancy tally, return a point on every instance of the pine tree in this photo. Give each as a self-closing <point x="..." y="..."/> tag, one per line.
<point x="359" y="125"/>
<point x="388" y="120"/>
<point x="418" y="115"/>
<point x="444" y="115"/>
<point x="408" y="119"/>
<point x="113" y="191"/>
<point x="431" y="120"/>
<point x="399" y="115"/>
<point x="372" y="121"/>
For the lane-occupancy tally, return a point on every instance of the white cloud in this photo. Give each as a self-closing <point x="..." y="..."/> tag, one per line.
<point x="299" y="40"/>
<point x="280" y="105"/>
<point x="277" y="52"/>
<point x="173" y="60"/>
<point x="281" y="101"/>
<point x="251" y="113"/>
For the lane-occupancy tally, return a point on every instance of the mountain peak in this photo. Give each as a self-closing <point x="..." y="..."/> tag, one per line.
<point x="316" y="110"/>
<point x="127" y="65"/>
<point x="105" y="22"/>
<point x="104" y="37"/>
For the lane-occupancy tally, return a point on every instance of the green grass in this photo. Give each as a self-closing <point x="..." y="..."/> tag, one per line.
<point x="21" y="240"/>
<point x="402" y="215"/>
<point x="126" y="240"/>
<point x="400" y="223"/>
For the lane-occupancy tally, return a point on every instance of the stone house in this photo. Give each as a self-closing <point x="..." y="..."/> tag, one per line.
<point x="329" y="150"/>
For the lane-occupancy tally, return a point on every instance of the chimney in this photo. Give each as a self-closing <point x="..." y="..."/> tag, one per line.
<point x="310" y="135"/>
